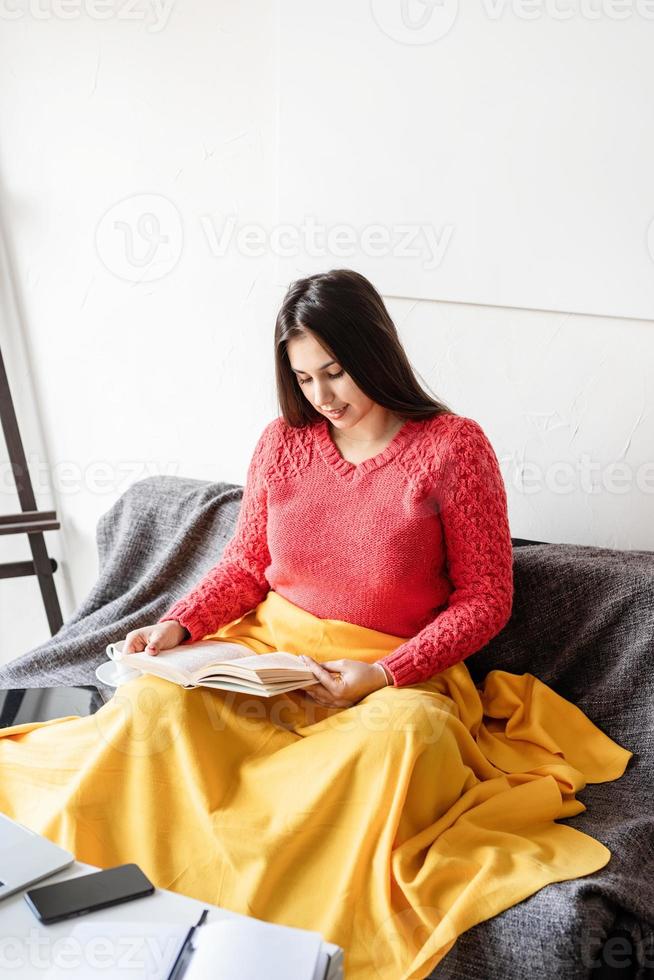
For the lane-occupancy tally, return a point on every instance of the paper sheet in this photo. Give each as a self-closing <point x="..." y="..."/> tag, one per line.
<point x="233" y="949"/>
<point x="113" y="950"/>
<point x="229" y="949"/>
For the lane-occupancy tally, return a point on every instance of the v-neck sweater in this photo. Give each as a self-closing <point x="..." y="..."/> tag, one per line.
<point x="414" y="541"/>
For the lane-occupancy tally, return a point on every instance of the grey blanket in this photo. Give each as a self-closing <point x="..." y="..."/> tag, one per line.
<point x="582" y="621"/>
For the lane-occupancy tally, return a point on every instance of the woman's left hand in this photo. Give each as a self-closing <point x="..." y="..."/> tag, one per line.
<point x="342" y="682"/>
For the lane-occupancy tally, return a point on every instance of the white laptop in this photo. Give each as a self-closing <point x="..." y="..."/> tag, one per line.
<point x="26" y="857"/>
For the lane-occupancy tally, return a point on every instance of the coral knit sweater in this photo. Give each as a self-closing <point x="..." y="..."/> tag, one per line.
<point x="414" y="541"/>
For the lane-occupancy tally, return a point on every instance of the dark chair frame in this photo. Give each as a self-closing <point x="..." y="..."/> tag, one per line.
<point x="30" y="520"/>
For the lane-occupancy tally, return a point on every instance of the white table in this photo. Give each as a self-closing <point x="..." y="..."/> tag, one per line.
<point x="28" y="947"/>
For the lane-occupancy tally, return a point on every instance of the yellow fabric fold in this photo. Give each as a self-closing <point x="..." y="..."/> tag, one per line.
<point x="391" y="827"/>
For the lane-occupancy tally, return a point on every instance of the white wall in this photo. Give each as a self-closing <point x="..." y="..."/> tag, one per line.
<point x="138" y="367"/>
<point x="497" y="141"/>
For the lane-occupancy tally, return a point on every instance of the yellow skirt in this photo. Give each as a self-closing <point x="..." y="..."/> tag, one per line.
<point x="391" y="826"/>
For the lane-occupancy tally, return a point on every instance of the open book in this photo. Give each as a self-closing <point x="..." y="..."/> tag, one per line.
<point x="249" y="949"/>
<point x="232" y="947"/>
<point x="219" y="663"/>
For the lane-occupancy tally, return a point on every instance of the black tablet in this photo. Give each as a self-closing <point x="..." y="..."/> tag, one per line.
<point x="23" y="704"/>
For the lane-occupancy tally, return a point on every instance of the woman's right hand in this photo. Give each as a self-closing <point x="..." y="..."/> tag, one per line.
<point x="153" y="639"/>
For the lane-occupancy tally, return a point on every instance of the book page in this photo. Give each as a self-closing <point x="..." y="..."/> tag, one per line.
<point x="251" y="687"/>
<point x="232" y="949"/>
<point x="267" y="666"/>
<point x="184" y="660"/>
<point x="193" y="661"/>
<point x="280" y="659"/>
<point x="134" y="949"/>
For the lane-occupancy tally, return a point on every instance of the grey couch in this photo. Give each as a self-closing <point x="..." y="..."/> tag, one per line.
<point x="582" y="621"/>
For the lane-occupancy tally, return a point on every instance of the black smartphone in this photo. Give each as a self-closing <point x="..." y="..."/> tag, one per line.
<point x="86" y="893"/>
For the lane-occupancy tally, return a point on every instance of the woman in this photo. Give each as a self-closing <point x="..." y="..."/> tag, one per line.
<point x="392" y="805"/>
<point x="354" y="479"/>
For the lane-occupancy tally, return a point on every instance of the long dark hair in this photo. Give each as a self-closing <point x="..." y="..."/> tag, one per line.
<point x="349" y="319"/>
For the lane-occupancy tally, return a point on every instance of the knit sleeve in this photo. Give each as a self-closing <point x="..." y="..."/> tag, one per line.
<point x="237" y="583"/>
<point x="470" y="496"/>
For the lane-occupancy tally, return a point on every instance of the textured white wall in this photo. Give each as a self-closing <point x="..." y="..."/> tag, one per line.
<point x="494" y="138"/>
<point x="127" y="138"/>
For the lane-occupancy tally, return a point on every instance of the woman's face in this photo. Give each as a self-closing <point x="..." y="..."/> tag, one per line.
<point x="325" y="384"/>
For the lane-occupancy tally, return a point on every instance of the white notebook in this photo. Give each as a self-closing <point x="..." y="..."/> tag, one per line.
<point x="234" y="948"/>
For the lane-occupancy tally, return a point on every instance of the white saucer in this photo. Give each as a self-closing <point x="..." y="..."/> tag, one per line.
<point x="113" y="674"/>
